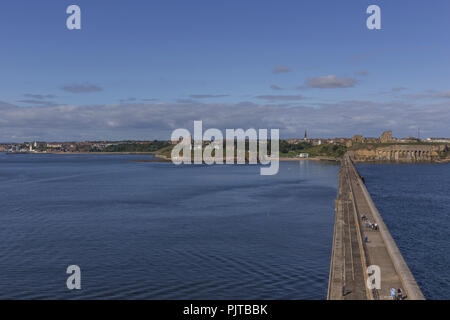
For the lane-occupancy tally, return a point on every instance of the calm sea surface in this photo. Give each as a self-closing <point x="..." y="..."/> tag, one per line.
<point x="147" y="230"/>
<point x="414" y="201"/>
<point x="159" y="231"/>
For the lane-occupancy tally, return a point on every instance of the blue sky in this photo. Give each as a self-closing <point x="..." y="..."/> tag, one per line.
<point x="139" y="69"/>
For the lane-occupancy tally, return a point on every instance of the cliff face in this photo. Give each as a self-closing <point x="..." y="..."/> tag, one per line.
<point x="401" y="153"/>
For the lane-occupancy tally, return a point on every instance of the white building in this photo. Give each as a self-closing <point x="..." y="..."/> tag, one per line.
<point x="303" y="155"/>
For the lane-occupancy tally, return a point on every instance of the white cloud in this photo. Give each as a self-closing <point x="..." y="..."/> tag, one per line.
<point x="281" y="97"/>
<point x="330" y="82"/>
<point x="281" y="69"/>
<point x="206" y="96"/>
<point x="82" y="88"/>
<point x="156" y="121"/>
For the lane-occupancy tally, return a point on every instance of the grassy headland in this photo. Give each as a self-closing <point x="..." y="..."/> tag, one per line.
<point x="287" y="150"/>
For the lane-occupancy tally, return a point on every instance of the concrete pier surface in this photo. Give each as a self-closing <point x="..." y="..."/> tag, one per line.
<point x="361" y="240"/>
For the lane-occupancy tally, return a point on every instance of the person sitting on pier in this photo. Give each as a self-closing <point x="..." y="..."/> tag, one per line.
<point x="399" y="294"/>
<point x="393" y="294"/>
<point x="369" y="224"/>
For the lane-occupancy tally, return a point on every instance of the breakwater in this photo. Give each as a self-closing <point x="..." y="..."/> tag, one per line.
<point x="366" y="264"/>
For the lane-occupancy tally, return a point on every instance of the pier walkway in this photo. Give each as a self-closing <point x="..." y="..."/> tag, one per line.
<point x="352" y="254"/>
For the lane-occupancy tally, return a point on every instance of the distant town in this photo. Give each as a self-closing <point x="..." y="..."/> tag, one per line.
<point x="82" y="147"/>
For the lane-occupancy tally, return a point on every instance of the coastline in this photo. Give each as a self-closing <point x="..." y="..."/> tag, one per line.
<point x="162" y="157"/>
<point x="310" y="159"/>
<point x="71" y="153"/>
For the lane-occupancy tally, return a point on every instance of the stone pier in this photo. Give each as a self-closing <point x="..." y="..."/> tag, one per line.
<point x="357" y="246"/>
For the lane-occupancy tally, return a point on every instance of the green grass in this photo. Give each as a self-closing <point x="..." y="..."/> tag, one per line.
<point x="288" y="150"/>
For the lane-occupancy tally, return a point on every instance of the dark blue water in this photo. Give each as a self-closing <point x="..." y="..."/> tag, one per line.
<point x="159" y="231"/>
<point x="414" y="201"/>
